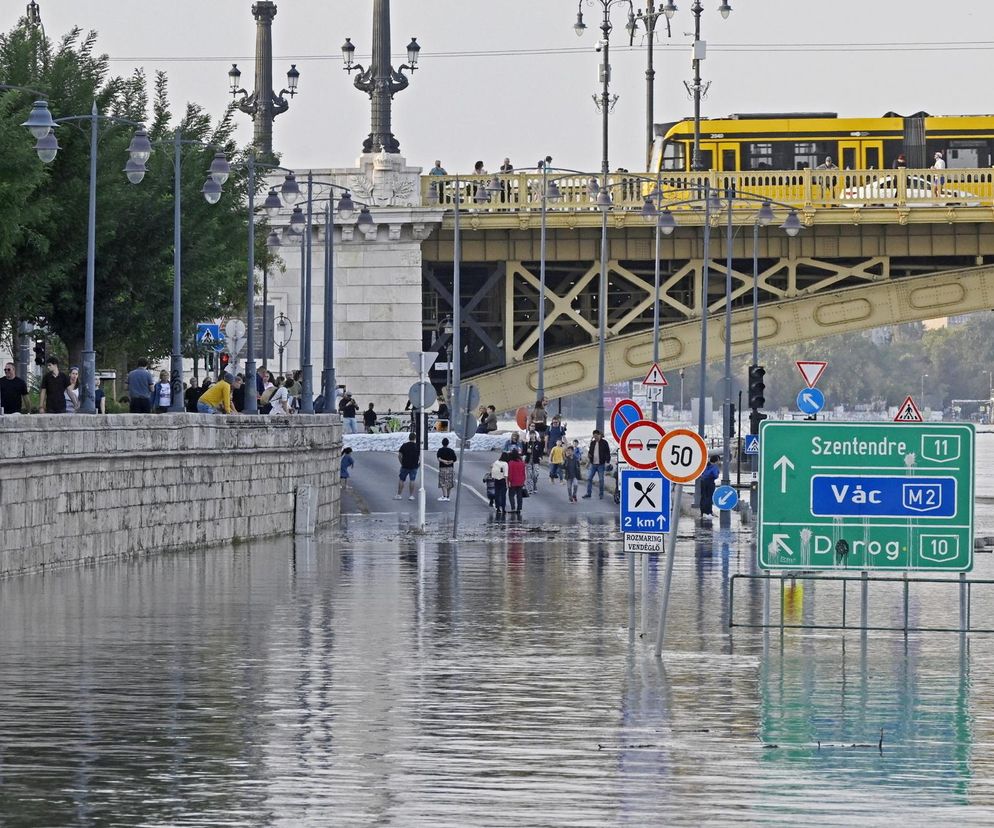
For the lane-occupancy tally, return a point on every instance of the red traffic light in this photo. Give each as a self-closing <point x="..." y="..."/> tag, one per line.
<point x="225" y="360"/>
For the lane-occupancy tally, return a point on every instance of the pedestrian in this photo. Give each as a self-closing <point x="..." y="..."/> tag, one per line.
<point x="514" y="443"/>
<point x="217" y="398"/>
<point x="162" y="394"/>
<point x="438" y="169"/>
<point x="13" y="392"/>
<point x="238" y="393"/>
<point x="348" y="408"/>
<point x="709" y="478"/>
<point x="827" y="164"/>
<point x="491" y="419"/>
<point x="140" y="385"/>
<point x="260" y="388"/>
<point x="507" y="166"/>
<point x="479" y="169"/>
<point x="557" y="432"/>
<point x="556" y="459"/>
<point x="900" y="162"/>
<point x="279" y="402"/>
<point x="369" y="419"/>
<point x="52" y="398"/>
<point x="515" y="482"/>
<point x="446" y="469"/>
<point x="269" y="388"/>
<point x="538" y="420"/>
<point x="410" y="462"/>
<point x="346" y="464"/>
<point x="442" y="416"/>
<point x="599" y="456"/>
<point x="193" y="392"/>
<point x="498" y="472"/>
<point x="572" y="469"/>
<point x="534" y="449"/>
<point x="72" y="392"/>
<point x="99" y="398"/>
<point x="482" y="414"/>
<point x="938" y="180"/>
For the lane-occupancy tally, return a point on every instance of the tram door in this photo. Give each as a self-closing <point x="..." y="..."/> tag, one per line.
<point x="861" y="155"/>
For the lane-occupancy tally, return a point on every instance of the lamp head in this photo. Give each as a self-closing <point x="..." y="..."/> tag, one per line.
<point x="292" y="79"/>
<point x="39" y="122"/>
<point x="220" y="168"/>
<point x="135" y="170"/>
<point x="579" y="27"/>
<point x="494" y="184"/>
<point x="290" y="191"/>
<point x="211" y="190"/>
<point x="140" y="148"/>
<point x="552" y="192"/>
<point x="365" y="220"/>
<point x="765" y="215"/>
<point x="346" y="206"/>
<point x="272" y="205"/>
<point x="273" y="240"/>
<point x="348" y="52"/>
<point x="792" y="226"/>
<point x="47" y="147"/>
<point x="725" y="9"/>
<point x="667" y="224"/>
<point x="297" y="222"/>
<point x="669" y="9"/>
<point x="413" y="52"/>
<point x="234" y="79"/>
<point x="649" y="209"/>
<point x="604" y="200"/>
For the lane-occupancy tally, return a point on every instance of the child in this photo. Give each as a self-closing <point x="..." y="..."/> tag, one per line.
<point x="556" y="457"/>
<point x="347" y="464"/>
<point x="488" y="481"/>
<point x="571" y="466"/>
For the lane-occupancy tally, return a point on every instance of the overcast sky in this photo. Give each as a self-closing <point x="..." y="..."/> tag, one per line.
<point x="854" y="57"/>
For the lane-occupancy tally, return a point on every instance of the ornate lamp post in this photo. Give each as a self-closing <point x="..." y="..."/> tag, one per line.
<point x="263" y="105"/>
<point x="649" y="18"/>
<point x="380" y="81"/>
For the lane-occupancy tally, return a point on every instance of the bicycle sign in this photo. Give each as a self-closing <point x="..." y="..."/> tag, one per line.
<point x="682" y="455"/>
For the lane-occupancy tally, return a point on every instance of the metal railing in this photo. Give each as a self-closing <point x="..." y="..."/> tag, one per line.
<point x="864" y="579"/>
<point x="805" y="189"/>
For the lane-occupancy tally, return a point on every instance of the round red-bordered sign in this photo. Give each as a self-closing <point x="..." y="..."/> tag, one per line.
<point x="639" y="443"/>
<point x="623" y="415"/>
<point x="682" y="455"/>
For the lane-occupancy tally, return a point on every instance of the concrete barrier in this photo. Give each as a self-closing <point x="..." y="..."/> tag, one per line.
<point x="76" y="489"/>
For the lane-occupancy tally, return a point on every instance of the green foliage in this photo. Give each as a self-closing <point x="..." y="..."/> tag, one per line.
<point x="43" y="209"/>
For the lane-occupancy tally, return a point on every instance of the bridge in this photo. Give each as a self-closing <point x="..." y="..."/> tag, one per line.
<point x="878" y="247"/>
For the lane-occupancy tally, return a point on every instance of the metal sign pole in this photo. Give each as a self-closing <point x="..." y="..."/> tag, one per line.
<point x="422" y="497"/>
<point x="462" y="450"/>
<point x="668" y="577"/>
<point x="645" y="594"/>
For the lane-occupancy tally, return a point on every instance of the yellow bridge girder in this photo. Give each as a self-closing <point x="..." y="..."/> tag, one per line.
<point x="799" y="319"/>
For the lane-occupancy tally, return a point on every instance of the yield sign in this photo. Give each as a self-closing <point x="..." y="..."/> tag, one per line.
<point x="655" y="376"/>
<point x="909" y="412"/>
<point x="811" y="371"/>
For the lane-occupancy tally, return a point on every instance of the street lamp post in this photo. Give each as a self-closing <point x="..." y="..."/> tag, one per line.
<point x="285" y="330"/>
<point x="380" y="81"/>
<point x="924" y="377"/>
<point x="649" y="19"/>
<point x="41" y="125"/>
<point x="263" y="105"/>
<point x="606" y="103"/>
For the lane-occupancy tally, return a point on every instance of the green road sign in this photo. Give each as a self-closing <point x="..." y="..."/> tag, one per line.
<point x="866" y="496"/>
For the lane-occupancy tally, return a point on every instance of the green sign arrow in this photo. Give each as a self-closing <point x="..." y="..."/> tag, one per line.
<point x="866" y="496"/>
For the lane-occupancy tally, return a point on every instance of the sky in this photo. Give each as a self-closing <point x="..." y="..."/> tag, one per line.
<point x="495" y="81"/>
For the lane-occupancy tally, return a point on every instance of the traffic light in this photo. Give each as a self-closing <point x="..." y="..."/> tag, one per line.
<point x="757" y="387"/>
<point x="755" y="418"/>
<point x="40" y="355"/>
<point x="225" y="360"/>
<point x="731" y="419"/>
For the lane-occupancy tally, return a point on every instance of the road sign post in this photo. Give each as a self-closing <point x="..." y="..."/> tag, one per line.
<point x="866" y="496"/>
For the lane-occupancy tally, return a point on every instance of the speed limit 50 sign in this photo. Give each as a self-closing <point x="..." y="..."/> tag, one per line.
<point x="681" y="455"/>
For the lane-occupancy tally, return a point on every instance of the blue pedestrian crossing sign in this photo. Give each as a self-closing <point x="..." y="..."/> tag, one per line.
<point x="752" y="444"/>
<point x="725" y="498"/>
<point x="645" y="501"/>
<point x="209" y="336"/>
<point x="810" y="400"/>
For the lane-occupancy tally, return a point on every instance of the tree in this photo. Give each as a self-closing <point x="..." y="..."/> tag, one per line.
<point x="43" y="251"/>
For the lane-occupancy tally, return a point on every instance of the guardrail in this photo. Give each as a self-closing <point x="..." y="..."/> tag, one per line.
<point x="805" y="189"/>
<point x="864" y="579"/>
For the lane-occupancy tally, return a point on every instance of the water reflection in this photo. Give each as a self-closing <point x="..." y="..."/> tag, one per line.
<point x="472" y="682"/>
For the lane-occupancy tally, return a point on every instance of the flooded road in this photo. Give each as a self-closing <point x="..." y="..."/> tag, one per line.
<point x="378" y="678"/>
<point x="377" y="682"/>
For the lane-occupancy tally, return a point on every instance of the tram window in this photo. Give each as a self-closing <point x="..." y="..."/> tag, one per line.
<point x="809" y="154"/>
<point x="728" y="159"/>
<point x="757" y="156"/>
<point x="674" y="156"/>
<point x="849" y="158"/>
<point x="968" y="154"/>
<point x="872" y="158"/>
<point x="707" y="159"/>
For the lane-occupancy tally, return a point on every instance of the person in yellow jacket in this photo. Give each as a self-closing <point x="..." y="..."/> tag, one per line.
<point x="556" y="458"/>
<point x="217" y="398"/>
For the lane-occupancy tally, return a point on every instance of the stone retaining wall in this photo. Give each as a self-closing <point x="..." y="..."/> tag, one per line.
<point x="76" y="489"/>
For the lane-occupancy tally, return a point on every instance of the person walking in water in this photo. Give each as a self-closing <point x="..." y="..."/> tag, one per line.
<point x="709" y="479"/>
<point x="410" y="462"/>
<point x="498" y="471"/>
<point x="599" y="455"/>
<point x="572" y="470"/>
<point x="446" y="469"/>
<point x="556" y="458"/>
<point x="346" y="467"/>
<point x="515" y="482"/>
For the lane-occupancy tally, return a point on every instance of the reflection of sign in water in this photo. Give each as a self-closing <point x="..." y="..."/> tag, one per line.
<point x="866" y="496"/>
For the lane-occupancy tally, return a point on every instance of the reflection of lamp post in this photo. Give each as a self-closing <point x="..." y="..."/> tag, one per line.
<point x="284" y="333"/>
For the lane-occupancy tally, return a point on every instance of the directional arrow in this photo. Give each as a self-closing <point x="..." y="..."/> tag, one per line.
<point x="779" y="542"/>
<point x="782" y="465"/>
<point x="728" y="496"/>
<point x="808" y="398"/>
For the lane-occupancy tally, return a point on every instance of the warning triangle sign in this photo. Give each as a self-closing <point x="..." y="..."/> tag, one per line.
<point x="909" y="412"/>
<point x="811" y="371"/>
<point x="655" y="376"/>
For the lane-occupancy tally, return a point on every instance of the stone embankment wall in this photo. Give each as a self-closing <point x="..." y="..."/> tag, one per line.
<point x="76" y="489"/>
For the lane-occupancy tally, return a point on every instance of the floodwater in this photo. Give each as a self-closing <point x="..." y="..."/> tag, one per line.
<point x="375" y="678"/>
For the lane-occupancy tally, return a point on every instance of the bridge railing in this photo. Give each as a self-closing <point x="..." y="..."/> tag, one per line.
<point x="805" y="189"/>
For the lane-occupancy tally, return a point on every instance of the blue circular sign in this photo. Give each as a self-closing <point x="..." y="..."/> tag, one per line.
<point x="725" y="498"/>
<point x="810" y="400"/>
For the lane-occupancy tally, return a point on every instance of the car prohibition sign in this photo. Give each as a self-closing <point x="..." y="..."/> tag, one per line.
<point x="682" y="455"/>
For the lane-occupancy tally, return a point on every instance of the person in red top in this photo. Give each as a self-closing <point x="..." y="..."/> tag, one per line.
<point x="515" y="482"/>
